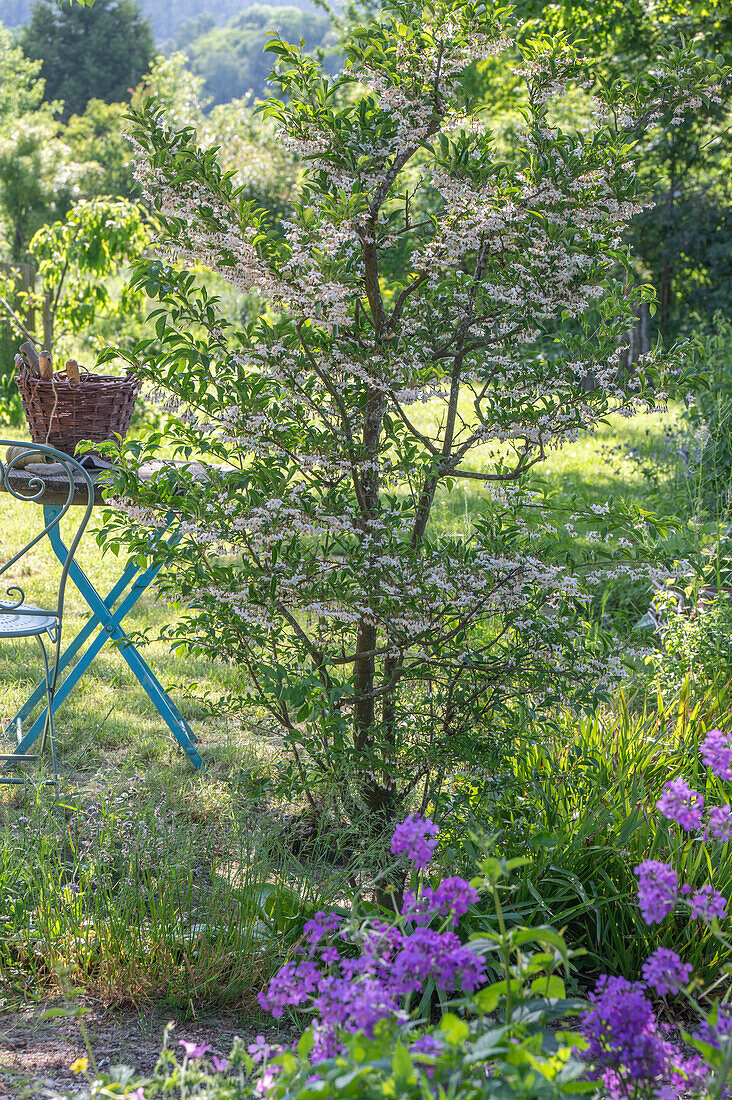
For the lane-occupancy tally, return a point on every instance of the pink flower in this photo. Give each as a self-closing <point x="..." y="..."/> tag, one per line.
<point x="194" y="1050"/>
<point x="220" y="1064"/>
<point x="259" y="1049"/>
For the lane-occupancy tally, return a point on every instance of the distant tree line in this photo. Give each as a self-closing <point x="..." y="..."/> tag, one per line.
<point x="165" y="17"/>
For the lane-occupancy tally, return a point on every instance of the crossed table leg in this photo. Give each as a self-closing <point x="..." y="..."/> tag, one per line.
<point x="107" y="623"/>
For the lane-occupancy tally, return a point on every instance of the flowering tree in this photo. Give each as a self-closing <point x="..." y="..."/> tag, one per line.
<point x="411" y="300"/>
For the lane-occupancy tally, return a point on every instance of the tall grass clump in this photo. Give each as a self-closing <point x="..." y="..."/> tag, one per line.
<point x="580" y="804"/>
<point x="133" y="903"/>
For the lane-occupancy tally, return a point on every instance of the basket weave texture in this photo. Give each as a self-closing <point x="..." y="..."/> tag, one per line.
<point x="99" y="407"/>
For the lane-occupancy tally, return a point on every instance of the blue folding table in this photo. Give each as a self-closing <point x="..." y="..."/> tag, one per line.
<point x="105" y="623"/>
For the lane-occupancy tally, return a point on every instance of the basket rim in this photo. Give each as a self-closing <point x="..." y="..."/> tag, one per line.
<point x="25" y="374"/>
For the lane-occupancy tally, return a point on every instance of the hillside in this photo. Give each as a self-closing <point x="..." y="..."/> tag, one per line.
<point x="166" y="17"/>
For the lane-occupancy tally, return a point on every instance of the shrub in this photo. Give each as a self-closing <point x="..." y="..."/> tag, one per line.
<point x="416" y="267"/>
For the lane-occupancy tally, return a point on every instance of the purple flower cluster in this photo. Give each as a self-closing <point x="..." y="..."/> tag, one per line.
<point x="453" y="897"/>
<point x="622" y="1032"/>
<point x="351" y="993"/>
<point x="708" y="904"/>
<point x="681" y="803"/>
<point x="658" y="888"/>
<point x="716" y="752"/>
<point x="424" y="1049"/>
<point x="322" y="924"/>
<point x="626" y="1049"/>
<point x="354" y="993"/>
<point x="715" y="1033"/>
<point x="719" y="822"/>
<point x="665" y="972"/>
<point x="411" y="840"/>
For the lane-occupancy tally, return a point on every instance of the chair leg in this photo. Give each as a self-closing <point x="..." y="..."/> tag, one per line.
<point x="48" y="727"/>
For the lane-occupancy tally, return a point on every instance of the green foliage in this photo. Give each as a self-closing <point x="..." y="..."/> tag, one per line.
<point x="247" y="143"/>
<point x="97" y="52"/>
<point x="231" y="58"/>
<point x="710" y="417"/>
<point x="580" y="803"/>
<point x="388" y="660"/>
<point x="38" y="176"/>
<point x="75" y="259"/>
<point x="136" y="903"/>
<point x="684" y="242"/>
<point x="97" y="141"/>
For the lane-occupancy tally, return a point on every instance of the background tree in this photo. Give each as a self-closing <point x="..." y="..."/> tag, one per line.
<point x="97" y="141"/>
<point x="97" y="52"/>
<point x="75" y="259"/>
<point x="231" y="58"/>
<point x="38" y="175"/>
<point x="248" y="143"/>
<point x="683" y="243"/>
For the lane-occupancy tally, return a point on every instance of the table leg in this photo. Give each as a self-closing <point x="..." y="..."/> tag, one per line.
<point x="109" y="622"/>
<point x="70" y="652"/>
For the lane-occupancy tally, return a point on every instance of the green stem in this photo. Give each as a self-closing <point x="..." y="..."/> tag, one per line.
<point x="505" y="952"/>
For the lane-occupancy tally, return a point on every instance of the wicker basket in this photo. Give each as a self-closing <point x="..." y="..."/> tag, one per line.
<point x="99" y="407"/>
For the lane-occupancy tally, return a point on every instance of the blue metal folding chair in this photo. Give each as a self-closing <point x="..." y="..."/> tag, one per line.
<point x="19" y="619"/>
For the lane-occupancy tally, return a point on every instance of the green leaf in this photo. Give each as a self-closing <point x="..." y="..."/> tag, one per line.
<point x="549" y="986"/>
<point x="455" y="1030"/>
<point x="305" y="1043"/>
<point x="402" y="1065"/>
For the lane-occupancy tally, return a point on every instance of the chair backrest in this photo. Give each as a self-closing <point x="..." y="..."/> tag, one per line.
<point x="57" y="486"/>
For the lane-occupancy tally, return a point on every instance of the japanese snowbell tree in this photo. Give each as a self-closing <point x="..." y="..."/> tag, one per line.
<point x="402" y="354"/>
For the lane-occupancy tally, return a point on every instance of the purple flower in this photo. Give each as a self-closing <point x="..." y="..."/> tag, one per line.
<point x="624" y="1041"/>
<point x="690" y="1077"/>
<point x="719" y="822"/>
<point x="665" y="971"/>
<point x="714" y="1032"/>
<point x="194" y="1050"/>
<point x="716" y="752"/>
<point x="320" y="926"/>
<point x="708" y="904"/>
<point x="259" y="1049"/>
<point x="453" y="896"/>
<point x="424" y="1050"/>
<point x="658" y="887"/>
<point x="220" y="1064"/>
<point x="427" y="1044"/>
<point x="267" y="1081"/>
<point x="439" y="955"/>
<point x="410" y="840"/>
<point x="292" y="985"/>
<point x="682" y="804"/>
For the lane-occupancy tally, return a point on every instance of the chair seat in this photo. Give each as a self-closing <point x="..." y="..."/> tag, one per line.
<point x="13" y="625"/>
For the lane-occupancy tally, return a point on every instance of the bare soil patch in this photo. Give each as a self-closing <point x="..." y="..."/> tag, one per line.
<point x="36" y="1055"/>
